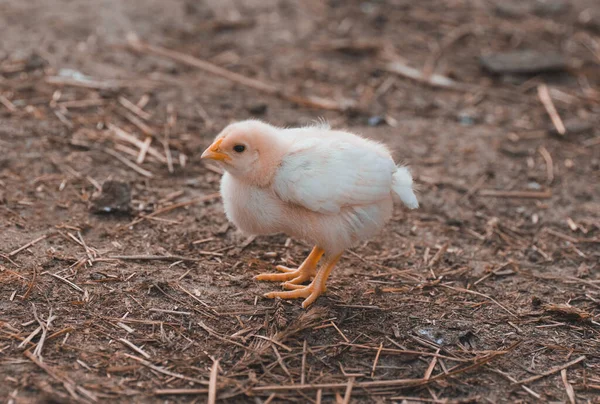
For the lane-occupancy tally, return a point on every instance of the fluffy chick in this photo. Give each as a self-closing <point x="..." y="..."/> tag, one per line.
<point x="327" y="187"/>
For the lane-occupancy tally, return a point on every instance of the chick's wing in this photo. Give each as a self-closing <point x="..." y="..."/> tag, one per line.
<point x="325" y="175"/>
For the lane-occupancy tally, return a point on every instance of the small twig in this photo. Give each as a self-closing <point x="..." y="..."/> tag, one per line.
<point x="214" y="334"/>
<point x="281" y="362"/>
<point x="134" y="108"/>
<point x="170" y="124"/>
<point x="190" y="294"/>
<point x="93" y="102"/>
<point x="143" y="150"/>
<point x="513" y="380"/>
<point x="273" y="341"/>
<point x="30" y="337"/>
<point x="431" y="366"/>
<point x="549" y="164"/>
<point x="482" y="295"/>
<point x="174" y="206"/>
<point x="88" y="252"/>
<point x="340" y="332"/>
<point x="561" y="235"/>
<point x="8" y="104"/>
<point x="184" y="392"/>
<point x="348" y="392"/>
<point x="40" y="345"/>
<point x="135" y="348"/>
<point x="61" y="117"/>
<point x="309" y="101"/>
<point x="129" y="138"/>
<point x="88" y="83"/>
<point x="183" y="313"/>
<point x="376" y="360"/>
<point x="162" y="257"/>
<point x="433" y="80"/>
<point x="30" y="286"/>
<point x="129" y="163"/>
<point x="164" y="371"/>
<point x="212" y="385"/>
<point x="546" y="100"/>
<point x="438" y="255"/>
<point x="551" y="371"/>
<point x="303" y="367"/>
<point x="37" y="240"/>
<point x="146" y="130"/>
<point x="516" y="194"/>
<point x="568" y="386"/>
<point x="68" y="282"/>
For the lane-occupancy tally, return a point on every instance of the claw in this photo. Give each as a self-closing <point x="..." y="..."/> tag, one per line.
<point x="310" y="293"/>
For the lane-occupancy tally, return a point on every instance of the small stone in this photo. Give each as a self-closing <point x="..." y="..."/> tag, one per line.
<point x="376" y="121"/>
<point x="115" y="197"/>
<point x="465" y="119"/>
<point x="96" y="276"/>
<point x="35" y="61"/>
<point x="524" y="62"/>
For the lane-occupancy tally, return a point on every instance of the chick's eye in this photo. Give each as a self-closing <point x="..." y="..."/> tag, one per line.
<point x="239" y="148"/>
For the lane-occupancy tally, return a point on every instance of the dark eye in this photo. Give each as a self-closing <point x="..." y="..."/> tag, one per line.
<point x="239" y="148"/>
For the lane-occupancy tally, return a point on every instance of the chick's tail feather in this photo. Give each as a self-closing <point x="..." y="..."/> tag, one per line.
<point x="402" y="184"/>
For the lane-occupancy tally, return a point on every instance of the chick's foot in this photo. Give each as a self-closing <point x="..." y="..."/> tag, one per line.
<point x="310" y="293"/>
<point x="303" y="273"/>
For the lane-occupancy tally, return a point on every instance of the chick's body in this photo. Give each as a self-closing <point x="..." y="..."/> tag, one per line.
<point x="307" y="197"/>
<point x="330" y="188"/>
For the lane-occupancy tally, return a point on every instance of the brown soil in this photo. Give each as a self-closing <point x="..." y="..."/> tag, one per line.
<point x="503" y="286"/>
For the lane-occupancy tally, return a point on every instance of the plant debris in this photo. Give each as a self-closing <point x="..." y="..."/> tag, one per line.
<point x="107" y="106"/>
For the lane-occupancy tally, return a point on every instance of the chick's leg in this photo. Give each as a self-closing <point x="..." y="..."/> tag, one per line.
<point x="312" y="291"/>
<point x="304" y="272"/>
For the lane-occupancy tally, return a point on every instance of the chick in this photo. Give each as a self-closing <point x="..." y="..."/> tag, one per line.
<point x="327" y="187"/>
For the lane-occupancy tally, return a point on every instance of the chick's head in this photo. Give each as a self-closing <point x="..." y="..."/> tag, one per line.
<point x="246" y="150"/>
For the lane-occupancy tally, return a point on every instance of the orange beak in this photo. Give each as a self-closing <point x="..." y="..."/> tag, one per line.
<point x="214" y="152"/>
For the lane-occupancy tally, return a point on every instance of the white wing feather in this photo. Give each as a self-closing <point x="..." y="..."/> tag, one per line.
<point x="325" y="175"/>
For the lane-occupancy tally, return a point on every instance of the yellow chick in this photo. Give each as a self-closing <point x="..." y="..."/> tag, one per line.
<point x="328" y="187"/>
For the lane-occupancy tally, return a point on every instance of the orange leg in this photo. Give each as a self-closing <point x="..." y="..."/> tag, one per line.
<point x="312" y="291"/>
<point x="303" y="273"/>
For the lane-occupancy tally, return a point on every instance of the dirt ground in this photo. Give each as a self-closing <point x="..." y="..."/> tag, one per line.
<point x="489" y="292"/>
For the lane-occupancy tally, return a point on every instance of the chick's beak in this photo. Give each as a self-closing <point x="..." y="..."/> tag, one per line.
<point x="214" y="152"/>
